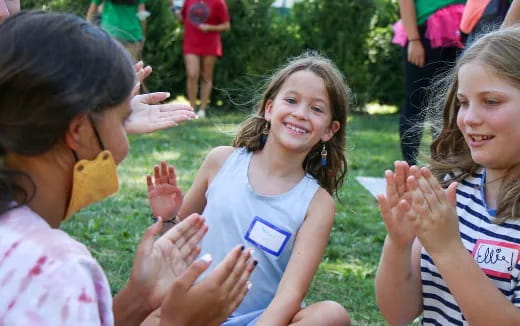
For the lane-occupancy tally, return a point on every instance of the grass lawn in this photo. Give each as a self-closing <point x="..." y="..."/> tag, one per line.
<point x="112" y="229"/>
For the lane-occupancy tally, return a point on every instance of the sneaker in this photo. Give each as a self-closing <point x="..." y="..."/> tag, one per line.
<point x="201" y="114"/>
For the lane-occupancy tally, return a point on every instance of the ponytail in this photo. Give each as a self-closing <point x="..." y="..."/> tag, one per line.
<point x="9" y="190"/>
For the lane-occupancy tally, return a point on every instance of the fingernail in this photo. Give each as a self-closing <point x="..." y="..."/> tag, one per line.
<point x="207" y="258"/>
<point x="249" y="285"/>
<point x="167" y="94"/>
<point x="242" y="248"/>
<point x="255" y="262"/>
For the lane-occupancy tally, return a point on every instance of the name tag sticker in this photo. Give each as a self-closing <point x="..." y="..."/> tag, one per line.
<point x="267" y="236"/>
<point x="496" y="258"/>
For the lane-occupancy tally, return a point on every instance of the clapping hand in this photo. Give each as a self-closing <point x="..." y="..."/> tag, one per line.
<point x="163" y="193"/>
<point x="397" y="225"/>
<point x="148" y="115"/>
<point x="159" y="262"/>
<point x="435" y="220"/>
<point x="214" y="298"/>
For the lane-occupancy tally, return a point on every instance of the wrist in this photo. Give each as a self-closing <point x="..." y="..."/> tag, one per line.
<point x="128" y="307"/>
<point x="398" y="246"/>
<point x="171" y="220"/>
<point x="415" y="39"/>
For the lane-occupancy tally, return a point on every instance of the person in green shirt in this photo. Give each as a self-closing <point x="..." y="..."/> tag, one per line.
<point x="125" y="20"/>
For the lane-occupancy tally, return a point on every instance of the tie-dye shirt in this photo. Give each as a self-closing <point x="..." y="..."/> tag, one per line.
<point x="48" y="278"/>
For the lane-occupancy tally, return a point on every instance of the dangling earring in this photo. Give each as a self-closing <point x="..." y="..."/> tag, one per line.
<point x="323" y="155"/>
<point x="265" y="132"/>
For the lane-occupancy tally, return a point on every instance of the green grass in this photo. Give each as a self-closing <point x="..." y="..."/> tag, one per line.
<point x="112" y="229"/>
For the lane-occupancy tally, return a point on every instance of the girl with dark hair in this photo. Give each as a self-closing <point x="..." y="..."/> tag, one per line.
<point x="65" y="94"/>
<point x="273" y="190"/>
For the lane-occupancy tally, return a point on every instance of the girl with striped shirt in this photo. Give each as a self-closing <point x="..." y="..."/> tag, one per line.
<point x="453" y="244"/>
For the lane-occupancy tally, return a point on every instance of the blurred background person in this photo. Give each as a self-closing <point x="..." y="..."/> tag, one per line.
<point x="125" y="20"/>
<point x="203" y="21"/>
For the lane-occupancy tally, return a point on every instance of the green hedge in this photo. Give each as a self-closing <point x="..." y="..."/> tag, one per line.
<point x="355" y="34"/>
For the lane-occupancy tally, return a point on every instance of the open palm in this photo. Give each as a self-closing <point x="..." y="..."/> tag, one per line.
<point x="163" y="193"/>
<point x="397" y="225"/>
<point x="160" y="261"/>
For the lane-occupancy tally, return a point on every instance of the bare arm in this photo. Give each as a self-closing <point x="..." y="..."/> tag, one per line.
<point x="224" y="27"/>
<point x="398" y="283"/>
<point x="141" y="7"/>
<point x="309" y="246"/>
<point x="195" y="198"/>
<point x="513" y="14"/>
<point x="91" y="11"/>
<point x="409" y="17"/>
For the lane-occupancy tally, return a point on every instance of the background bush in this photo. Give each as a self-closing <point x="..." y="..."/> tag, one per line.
<point x="355" y="34"/>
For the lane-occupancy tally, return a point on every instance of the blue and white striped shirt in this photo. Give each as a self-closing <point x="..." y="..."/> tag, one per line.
<point x="495" y="247"/>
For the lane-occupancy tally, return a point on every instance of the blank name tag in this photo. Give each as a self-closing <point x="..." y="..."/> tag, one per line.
<point x="267" y="236"/>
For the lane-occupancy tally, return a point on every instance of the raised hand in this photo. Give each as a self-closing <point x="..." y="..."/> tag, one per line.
<point x="141" y="73"/>
<point x="215" y="297"/>
<point x="397" y="225"/>
<point x="158" y="263"/>
<point x="435" y="220"/>
<point x="148" y="115"/>
<point x="163" y="193"/>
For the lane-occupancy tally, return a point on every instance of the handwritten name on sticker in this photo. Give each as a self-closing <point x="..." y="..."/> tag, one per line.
<point x="267" y="236"/>
<point x="496" y="258"/>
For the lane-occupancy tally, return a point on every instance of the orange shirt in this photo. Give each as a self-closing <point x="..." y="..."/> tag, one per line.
<point x="472" y="14"/>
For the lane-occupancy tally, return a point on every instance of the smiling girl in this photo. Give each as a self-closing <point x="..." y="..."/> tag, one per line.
<point x="453" y="254"/>
<point x="273" y="191"/>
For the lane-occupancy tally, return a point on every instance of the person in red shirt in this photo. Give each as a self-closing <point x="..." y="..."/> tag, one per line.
<point x="203" y="21"/>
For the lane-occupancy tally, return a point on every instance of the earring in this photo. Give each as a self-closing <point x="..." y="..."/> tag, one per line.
<point x="323" y="155"/>
<point x="265" y="132"/>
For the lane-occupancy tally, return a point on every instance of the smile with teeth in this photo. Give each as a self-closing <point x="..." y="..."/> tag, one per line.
<point x="296" y="129"/>
<point x="480" y="137"/>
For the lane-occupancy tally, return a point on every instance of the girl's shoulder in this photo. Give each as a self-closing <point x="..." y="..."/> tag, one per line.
<point x="216" y="159"/>
<point x="322" y="203"/>
<point x="218" y="155"/>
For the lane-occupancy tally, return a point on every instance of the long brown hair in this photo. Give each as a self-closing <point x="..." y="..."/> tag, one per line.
<point x="499" y="50"/>
<point x="249" y="135"/>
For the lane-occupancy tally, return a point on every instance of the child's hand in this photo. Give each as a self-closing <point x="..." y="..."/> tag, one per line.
<point x="164" y="194"/>
<point x="435" y="220"/>
<point x="214" y="298"/>
<point x="397" y="225"/>
<point x="149" y="115"/>
<point x="159" y="263"/>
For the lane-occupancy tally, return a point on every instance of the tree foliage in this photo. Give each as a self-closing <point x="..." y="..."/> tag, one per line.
<point x="355" y="34"/>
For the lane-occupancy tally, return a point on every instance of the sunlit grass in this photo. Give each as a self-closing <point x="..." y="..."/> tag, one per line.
<point x="112" y="229"/>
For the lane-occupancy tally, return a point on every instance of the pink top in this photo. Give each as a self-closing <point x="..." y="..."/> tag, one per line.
<point x="48" y="278"/>
<point x="442" y="28"/>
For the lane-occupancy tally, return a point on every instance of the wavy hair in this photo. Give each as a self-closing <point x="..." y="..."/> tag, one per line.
<point x="249" y="135"/>
<point x="499" y="50"/>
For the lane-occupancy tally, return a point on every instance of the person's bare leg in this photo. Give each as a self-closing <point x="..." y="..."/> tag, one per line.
<point x="192" y="65"/>
<point x="323" y="313"/>
<point x="206" y="80"/>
